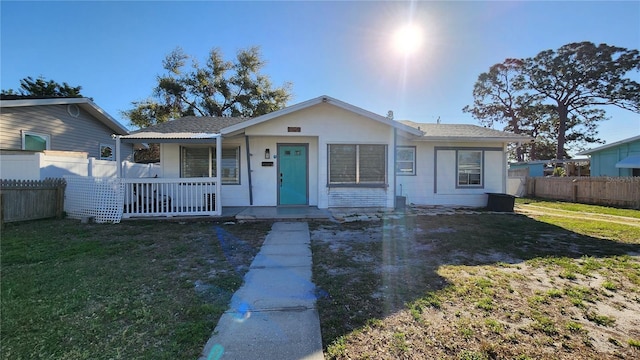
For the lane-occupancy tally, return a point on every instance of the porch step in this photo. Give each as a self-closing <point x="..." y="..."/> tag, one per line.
<point x="283" y="213"/>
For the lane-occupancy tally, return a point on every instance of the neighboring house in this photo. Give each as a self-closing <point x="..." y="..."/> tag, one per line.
<point x="620" y="158"/>
<point x="327" y="153"/>
<point x="66" y="124"/>
<point x="533" y="168"/>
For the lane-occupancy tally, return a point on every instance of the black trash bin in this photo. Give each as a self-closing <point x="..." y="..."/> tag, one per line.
<point x="500" y="202"/>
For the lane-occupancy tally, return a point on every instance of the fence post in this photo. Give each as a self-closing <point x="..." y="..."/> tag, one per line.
<point x="60" y="199"/>
<point x="1" y="210"/>
<point x="533" y="187"/>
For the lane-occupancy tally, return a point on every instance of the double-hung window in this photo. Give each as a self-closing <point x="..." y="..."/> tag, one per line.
<point x="469" y="164"/>
<point x="357" y="164"/>
<point x="35" y="141"/>
<point x="405" y="160"/>
<point x="201" y="162"/>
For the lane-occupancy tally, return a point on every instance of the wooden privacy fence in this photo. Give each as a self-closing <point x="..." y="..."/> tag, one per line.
<point x="610" y="191"/>
<point x="31" y="199"/>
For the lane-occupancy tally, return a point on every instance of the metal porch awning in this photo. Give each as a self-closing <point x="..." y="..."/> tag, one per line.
<point x="632" y="161"/>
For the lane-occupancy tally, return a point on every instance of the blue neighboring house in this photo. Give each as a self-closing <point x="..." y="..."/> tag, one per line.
<point x="536" y="168"/>
<point x="620" y="158"/>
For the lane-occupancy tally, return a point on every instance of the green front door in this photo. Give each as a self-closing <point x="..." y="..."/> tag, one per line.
<point x="292" y="175"/>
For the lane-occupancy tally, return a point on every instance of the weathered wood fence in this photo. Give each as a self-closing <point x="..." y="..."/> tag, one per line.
<point x="31" y="199"/>
<point x="608" y="191"/>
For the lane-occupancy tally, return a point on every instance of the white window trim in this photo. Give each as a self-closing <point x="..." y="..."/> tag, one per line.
<point x="470" y="186"/>
<point x="357" y="182"/>
<point x="213" y="158"/>
<point x="24" y="133"/>
<point x="414" y="162"/>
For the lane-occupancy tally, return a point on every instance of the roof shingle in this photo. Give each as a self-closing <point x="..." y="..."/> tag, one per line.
<point x="193" y="125"/>
<point x="441" y="131"/>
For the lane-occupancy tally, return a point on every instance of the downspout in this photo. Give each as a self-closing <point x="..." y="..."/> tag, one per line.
<point x="504" y="168"/>
<point x="395" y="176"/>
<point x="246" y="139"/>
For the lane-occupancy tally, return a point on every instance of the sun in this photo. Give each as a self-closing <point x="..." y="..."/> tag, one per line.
<point x="408" y="39"/>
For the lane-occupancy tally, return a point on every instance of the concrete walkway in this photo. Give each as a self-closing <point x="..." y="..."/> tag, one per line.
<point x="273" y="316"/>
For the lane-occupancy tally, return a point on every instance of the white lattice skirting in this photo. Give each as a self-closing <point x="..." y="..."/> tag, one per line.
<point x="101" y="198"/>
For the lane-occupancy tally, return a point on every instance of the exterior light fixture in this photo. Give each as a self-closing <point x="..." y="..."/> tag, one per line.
<point x="267" y="154"/>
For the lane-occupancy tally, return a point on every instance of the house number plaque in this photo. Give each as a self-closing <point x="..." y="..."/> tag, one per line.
<point x="294" y="129"/>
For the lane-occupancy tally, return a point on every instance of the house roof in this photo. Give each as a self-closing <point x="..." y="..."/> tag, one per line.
<point x="464" y="132"/>
<point x="84" y="103"/>
<point x="607" y="146"/>
<point x="204" y="127"/>
<point x="316" y="101"/>
<point x="188" y="127"/>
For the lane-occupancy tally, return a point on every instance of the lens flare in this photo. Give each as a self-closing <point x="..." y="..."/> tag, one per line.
<point x="408" y="39"/>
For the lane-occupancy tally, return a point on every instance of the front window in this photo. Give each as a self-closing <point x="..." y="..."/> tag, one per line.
<point x="201" y="162"/>
<point x="405" y="160"/>
<point x="357" y="164"/>
<point x="469" y="165"/>
<point x="35" y="142"/>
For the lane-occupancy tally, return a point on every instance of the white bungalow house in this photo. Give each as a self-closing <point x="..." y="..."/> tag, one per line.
<point x="323" y="153"/>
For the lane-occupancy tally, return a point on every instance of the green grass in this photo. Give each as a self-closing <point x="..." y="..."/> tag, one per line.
<point x="605" y="230"/>
<point x="602" y="320"/>
<point x="116" y="291"/>
<point x="568" y="206"/>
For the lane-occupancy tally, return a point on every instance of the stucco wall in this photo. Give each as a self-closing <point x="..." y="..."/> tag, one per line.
<point x="324" y="124"/>
<point x="438" y="160"/>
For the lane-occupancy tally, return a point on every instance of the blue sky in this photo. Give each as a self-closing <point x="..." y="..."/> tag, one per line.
<point x="114" y="49"/>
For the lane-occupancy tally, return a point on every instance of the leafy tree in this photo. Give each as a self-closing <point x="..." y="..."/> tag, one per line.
<point x="218" y="88"/>
<point x="554" y="96"/>
<point x="500" y="96"/>
<point x="40" y="87"/>
<point x="577" y="78"/>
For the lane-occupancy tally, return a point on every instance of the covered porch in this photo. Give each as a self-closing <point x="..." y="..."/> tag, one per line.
<point x="173" y="196"/>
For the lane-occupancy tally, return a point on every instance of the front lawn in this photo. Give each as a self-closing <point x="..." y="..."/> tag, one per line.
<point x="134" y="290"/>
<point x="484" y="286"/>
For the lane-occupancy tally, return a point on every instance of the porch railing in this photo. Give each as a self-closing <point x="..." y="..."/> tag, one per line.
<point x="146" y="197"/>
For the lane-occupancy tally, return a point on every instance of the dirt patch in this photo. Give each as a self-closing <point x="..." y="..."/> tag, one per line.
<point x="474" y="286"/>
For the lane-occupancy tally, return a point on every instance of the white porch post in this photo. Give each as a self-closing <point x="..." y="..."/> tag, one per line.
<point x="117" y="156"/>
<point x="218" y="207"/>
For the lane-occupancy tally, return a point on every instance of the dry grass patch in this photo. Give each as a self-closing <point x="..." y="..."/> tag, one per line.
<point x="489" y="287"/>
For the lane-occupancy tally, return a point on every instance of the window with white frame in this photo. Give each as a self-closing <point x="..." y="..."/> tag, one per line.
<point x="405" y="160"/>
<point x="35" y="141"/>
<point x="106" y="152"/>
<point x="201" y="162"/>
<point x="469" y="166"/>
<point x="357" y="164"/>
